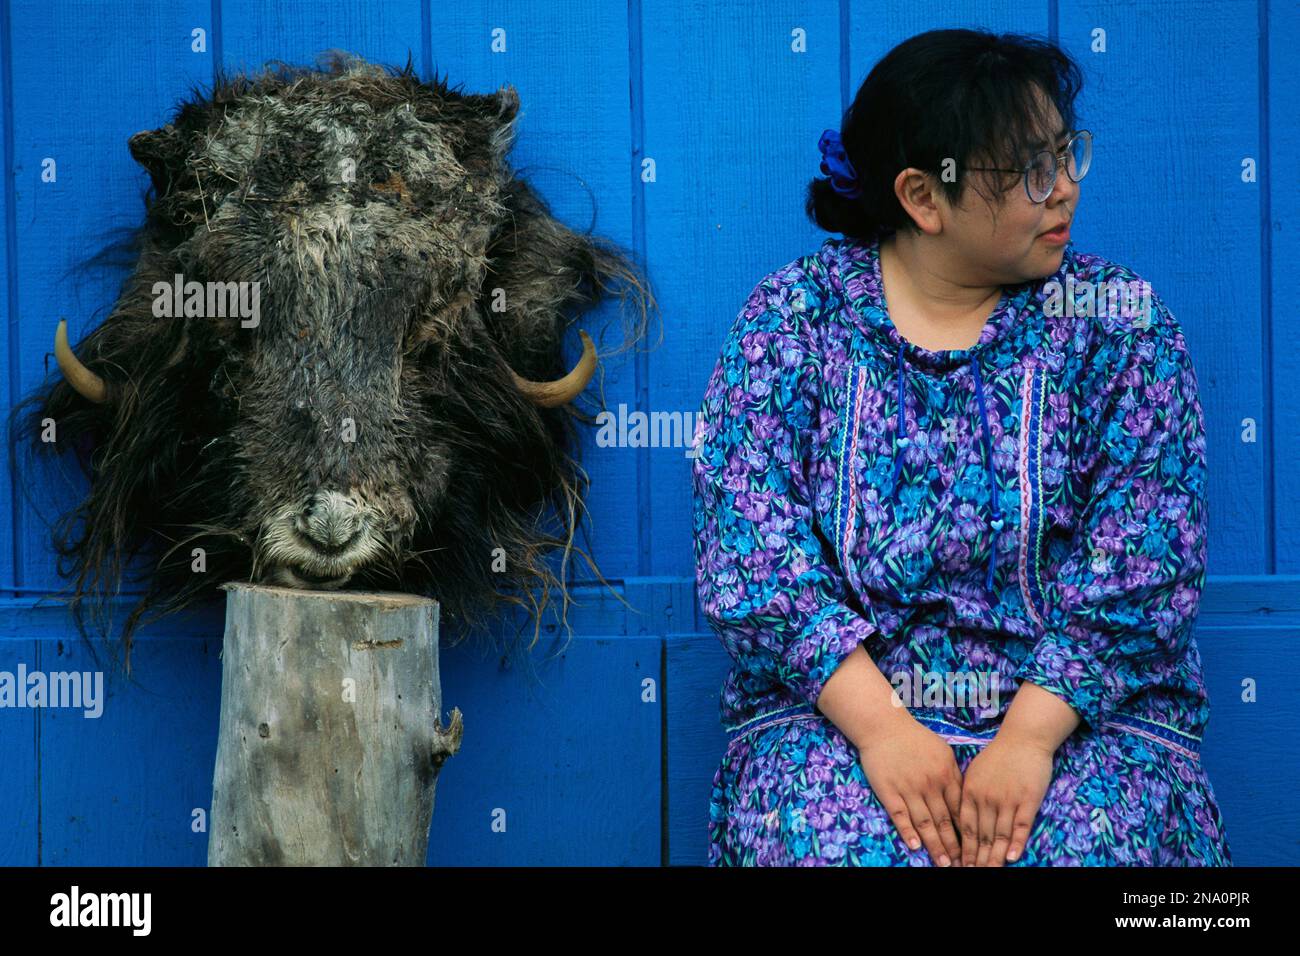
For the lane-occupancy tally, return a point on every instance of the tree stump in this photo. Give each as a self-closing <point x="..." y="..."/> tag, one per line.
<point x="329" y="746"/>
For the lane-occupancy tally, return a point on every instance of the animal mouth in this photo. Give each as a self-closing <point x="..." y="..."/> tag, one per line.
<point x="286" y="576"/>
<point x="319" y="545"/>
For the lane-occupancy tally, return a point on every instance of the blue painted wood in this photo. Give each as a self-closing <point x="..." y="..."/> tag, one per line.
<point x="563" y="748"/>
<point x="1250" y="600"/>
<point x="523" y="738"/>
<point x="888" y="24"/>
<point x="19" y="776"/>
<point x="726" y="206"/>
<point x="1281" y="232"/>
<point x="123" y="787"/>
<point x="561" y="760"/>
<point x="8" y="385"/>
<point x="696" y="666"/>
<point x="1249" y="747"/>
<point x="79" y="116"/>
<point x="134" y="784"/>
<point x="252" y="32"/>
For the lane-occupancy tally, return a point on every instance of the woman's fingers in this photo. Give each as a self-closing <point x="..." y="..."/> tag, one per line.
<point x="1020" y="829"/>
<point x="1006" y="815"/>
<point x="952" y="802"/>
<point x="948" y="829"/>
<point x="949" y="846"/>
<point x="896" y="807"/>
<point x="970" y="834"/>
<point x="924" y="822"/>
<point x="988" y="818"/>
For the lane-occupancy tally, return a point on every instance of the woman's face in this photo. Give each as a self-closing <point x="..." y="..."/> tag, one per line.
<point x="1005" y="235"/>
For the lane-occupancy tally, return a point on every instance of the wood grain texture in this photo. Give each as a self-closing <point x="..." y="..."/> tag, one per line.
<point x="253" y="32"/>
<point x="328" y="750"/>
<point x="85" y="76"/>
<point x="7" y="384"/>
<point x="1280" y="32"/>
<point x="595" y="751"/>
<point x="19" y="778"/>
<point x="732" y="110"/>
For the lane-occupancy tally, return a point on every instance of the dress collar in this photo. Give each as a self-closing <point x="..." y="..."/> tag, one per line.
<point x="854" y="269"/>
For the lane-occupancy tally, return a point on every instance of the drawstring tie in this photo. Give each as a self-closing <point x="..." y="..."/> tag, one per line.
<point x="996" y="522"/>
<point x="901" y="441"/>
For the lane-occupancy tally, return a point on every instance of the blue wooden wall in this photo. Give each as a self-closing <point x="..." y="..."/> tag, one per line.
<point x="601" y="750"/>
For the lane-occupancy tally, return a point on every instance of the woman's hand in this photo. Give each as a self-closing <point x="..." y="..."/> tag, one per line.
<point x="914" y="773"/>
<point x="1002" y="790"/>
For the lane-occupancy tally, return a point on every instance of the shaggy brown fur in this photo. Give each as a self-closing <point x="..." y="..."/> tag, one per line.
<point x="399" y="297"/>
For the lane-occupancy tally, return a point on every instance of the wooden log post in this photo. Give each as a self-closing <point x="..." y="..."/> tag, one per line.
<point x="328" y="749"/>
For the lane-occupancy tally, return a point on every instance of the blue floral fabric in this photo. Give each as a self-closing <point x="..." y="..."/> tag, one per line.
<point x="1029" y="509"/>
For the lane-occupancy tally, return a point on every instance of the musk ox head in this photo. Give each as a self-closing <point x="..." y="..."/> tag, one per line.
<point x="338" y="360"/>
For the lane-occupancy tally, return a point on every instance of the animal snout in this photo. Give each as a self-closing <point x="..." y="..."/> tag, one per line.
<point x="330" y="522"/>
<point x="319" y="543"/>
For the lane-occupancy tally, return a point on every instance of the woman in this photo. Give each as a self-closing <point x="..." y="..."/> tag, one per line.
<point x="954" y="537"/>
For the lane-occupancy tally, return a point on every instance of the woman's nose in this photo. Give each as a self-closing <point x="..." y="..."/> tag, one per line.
<point x="1064" y="189"/>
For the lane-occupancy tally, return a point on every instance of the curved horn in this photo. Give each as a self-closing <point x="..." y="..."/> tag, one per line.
<point x="562" y="390"/>
<point x="83" y="380"/>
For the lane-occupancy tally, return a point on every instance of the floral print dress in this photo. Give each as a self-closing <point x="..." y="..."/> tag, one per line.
<point x="1029" y="509"/>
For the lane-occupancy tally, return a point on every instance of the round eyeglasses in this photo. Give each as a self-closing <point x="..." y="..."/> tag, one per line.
<point x="1040" y="171"/>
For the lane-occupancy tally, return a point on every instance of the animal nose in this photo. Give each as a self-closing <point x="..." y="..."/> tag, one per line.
<point x="330" y="520"/>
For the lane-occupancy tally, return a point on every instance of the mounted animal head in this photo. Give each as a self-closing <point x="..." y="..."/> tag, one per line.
<point x="337" y="361"/>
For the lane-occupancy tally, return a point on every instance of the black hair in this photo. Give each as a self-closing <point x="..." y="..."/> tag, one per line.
<point x="966" y="95"/>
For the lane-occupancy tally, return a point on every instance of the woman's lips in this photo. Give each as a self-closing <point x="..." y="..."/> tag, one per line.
<point x="1060" y="234"/>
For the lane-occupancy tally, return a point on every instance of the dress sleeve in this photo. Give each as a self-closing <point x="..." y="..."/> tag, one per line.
<point x="1127" y="593"/>
<point x="764" y="582"/>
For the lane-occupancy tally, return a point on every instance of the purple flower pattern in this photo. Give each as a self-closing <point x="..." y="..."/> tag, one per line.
<point x="1084" y="502"/>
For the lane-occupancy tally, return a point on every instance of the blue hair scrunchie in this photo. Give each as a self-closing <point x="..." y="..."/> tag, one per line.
<point x="836" y="165"/>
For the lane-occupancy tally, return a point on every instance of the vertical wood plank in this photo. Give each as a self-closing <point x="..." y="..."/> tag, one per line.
<point x="878" y="28"/>
<point x="1165" y="197"/>
<point x="8" y="380"/>
<point x="733" y="111"/>
<point x="1249" y="747"/>
<point x="19" y="779"/>
<point x="561" y="760"/>
<point x="1283" y="231"/>
<point x="696" y="665"/>
<point x="126" y="788"/>
<point x="76" y="111"/>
